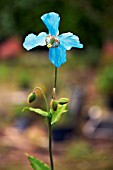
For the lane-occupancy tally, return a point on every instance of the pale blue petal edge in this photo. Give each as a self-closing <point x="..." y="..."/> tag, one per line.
<point x="69" y="40"/>
<point x="57" y="56"/>
<point x="32" y="40"/>
<point x="51" y="20"/>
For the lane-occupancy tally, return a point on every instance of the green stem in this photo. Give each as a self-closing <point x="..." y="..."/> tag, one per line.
<point x="43" y="96"/>
<point x="50" y="142"/>
<point x="49" y="121"/>
<point x="55" y="83"/>
<point x="55" y="79"/>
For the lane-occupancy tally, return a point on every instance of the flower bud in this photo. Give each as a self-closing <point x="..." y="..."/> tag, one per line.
<point x="54" y="104"/>
<point x="31" y="97"/>
<point x="62" y="101"/>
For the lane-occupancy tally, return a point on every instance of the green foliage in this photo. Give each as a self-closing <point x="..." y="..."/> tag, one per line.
<point x="4" y="72"/>
<point x="24" y="80"/>
<point x="91" y="56"/>
<point x="84" y="151"/>
<point x="57" y="114"/>
<point x="82" y="154"/>
<point x="104" y="81"/>
<point x="37" y="164"/>
<point x="36" y="110"/>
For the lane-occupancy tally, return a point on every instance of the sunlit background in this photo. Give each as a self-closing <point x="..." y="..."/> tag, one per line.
<point x="83" y="138"/>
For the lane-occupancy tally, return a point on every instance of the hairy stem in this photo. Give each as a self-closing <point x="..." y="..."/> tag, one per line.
<point x="50" y="142"/>
<point x="50" y="119"/>
<point x="55" y="78"/>
<point x="55" y="83"/>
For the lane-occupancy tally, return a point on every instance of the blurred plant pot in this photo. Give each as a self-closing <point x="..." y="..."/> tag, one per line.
<point x="62" y="133"/>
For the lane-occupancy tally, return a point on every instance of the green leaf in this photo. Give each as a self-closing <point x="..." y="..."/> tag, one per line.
<point x="37" y="164"/>
<point x="39" y="111"/>
<point x="57" y="114"/>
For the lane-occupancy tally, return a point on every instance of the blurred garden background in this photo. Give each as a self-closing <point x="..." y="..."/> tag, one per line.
<point x="83" y="139"/>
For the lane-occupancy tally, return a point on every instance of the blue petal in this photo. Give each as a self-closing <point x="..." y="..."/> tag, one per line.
<point x="51" y="20"/>
<point x="69" y="40"/>
<point x="57" y="55"/>
<point x="33" y="40"/>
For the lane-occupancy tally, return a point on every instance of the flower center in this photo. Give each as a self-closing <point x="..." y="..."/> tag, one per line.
<point x="52" y="41"/>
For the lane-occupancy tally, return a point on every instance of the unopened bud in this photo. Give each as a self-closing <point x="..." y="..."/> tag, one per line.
<point x="54" y="104"/>
<point x="31" y="97"/>
<point x="62" y="101"/>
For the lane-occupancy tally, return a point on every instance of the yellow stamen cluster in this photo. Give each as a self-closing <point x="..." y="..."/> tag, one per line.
<point x="52" y="41"/>
<point x="49" y="45"/>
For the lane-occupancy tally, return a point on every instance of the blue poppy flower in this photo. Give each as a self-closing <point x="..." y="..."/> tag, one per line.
<point x="57" y="44"/>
